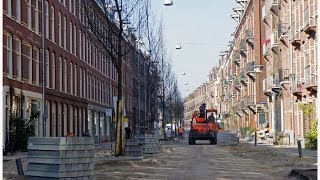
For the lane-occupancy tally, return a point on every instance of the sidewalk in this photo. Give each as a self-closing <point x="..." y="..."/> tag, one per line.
<point x="291" y="150"/>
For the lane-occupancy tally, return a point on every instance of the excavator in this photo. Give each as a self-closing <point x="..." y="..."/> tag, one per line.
<point x="203" y="127"/>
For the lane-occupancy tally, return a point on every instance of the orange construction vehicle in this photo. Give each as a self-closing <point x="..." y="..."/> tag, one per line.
<point x="203" y="127"/>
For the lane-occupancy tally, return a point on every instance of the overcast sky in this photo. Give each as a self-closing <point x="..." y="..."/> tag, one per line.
<point x="196" y="21"/>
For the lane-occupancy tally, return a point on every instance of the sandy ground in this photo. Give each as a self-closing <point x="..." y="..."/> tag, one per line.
<point x="204" y="161"/>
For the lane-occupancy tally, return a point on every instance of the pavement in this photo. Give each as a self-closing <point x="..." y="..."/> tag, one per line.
<point x="104" y="152"/>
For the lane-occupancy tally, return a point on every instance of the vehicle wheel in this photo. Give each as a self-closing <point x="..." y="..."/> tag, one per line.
<point x="215" y="138"/>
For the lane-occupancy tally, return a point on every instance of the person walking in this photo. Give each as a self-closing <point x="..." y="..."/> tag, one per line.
<point x="128" y="132"/>
<point x="180" y="131"/>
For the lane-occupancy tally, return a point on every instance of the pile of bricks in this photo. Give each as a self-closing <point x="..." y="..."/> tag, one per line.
<point x="133" y="147"/>
<point x="150" y="143"/>
<point x="60" y="158"/>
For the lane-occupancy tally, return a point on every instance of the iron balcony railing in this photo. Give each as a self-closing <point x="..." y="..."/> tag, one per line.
<point x="236" y="58"/>
<point x="310" y="75"/>
<point x="243" y="47"/>
<point x="283" y="75"/>
<point x="293" y="32"/>
<point x="274" y="38"/>
<point x="282" y="29"/>
<point x="250" y="67"/>
<point x="250" y="100"/>
<point x="296" y="86"/>
<point x="306" y="14"/>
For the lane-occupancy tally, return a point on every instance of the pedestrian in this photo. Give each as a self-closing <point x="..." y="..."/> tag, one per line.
<point x="180" y="131"/>
<point x="128" y="132"/>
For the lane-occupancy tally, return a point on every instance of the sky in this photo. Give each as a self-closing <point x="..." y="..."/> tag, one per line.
<point x="205" y="22"/>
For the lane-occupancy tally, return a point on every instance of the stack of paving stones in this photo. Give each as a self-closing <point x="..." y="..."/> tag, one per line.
<point x="133" y="147"/>
<point x="150" y="143"/>
<point x="227" y="137"/>
<point x="60" y="158"/>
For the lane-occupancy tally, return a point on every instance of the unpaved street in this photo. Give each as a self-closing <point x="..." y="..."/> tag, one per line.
<point x="221" y="161"/>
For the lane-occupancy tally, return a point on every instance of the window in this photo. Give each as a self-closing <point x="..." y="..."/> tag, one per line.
<point x="60" y="29"/>
<point x="84" y="83"/>
<point x="80" y="44"/>
<point x="70" y="36"/>
<point x="47" y="19"/>
<point x="65" y="32"/>
<point x="29" y="14"/>
<point x="47" y="69"/>
<point x="71" y="78"/>
<point x="37" y="62"/>
<point x="75" y="40"/>
<point x="9" y="54"/>
<point x="70" y="3"/>
<point x="80" y="80"/>
<point x="53" y="72"/>
<point x="18" y="57"/>
<point x="74" y="7"/>
<point x="60" y="73"/>
<point x="75" y="80"/>
<point x="18" y="11"/>
<point x="65" y="75"/>
<point x="52" y="24"/>
<point x="29" y="62"/>
<point x="36" y="17"/>
<point x="9" y="13"/>
<point x="83" y="45"/>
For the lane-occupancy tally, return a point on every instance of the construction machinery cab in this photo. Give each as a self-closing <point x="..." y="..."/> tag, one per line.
<point x="203" y="125"/>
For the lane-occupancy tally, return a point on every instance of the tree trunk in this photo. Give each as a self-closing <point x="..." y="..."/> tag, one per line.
<point x="119" y="118"/>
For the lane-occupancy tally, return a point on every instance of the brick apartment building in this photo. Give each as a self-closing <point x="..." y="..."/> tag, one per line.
<point x="253" y="90"/>
<point x="80" y="79"/>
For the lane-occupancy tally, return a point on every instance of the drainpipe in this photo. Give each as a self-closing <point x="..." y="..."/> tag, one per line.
<point x="43" y="27"/>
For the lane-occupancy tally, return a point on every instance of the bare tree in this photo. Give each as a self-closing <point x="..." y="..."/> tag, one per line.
<point x="111" y="24"/>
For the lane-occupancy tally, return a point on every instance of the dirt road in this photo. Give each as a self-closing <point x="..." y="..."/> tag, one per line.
<point x="222" y="161"/>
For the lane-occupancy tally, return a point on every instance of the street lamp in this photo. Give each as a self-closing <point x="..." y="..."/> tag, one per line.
<point x="178" y="46"/>
<point x="168" y="2"/>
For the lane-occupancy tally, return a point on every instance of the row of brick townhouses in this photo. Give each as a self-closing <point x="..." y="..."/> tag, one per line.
<point x="80" y="81"/>
<point x="249" y="90"/>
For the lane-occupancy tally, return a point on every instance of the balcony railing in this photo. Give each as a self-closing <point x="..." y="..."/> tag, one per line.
<point x="283" y="76"/>
<point x="274" y="40"/>
<point x="243" y="78"/>
<point x="272" y="82"/>
<point x="296" y="86"/>
<point x="282" y="30"/>
<point x="236" y="58"/>
<point x="250" y="100"/>
<point x="294" y="35"/>
<point x="274" y="6"/>
<point x="243" y="48"/>
<point x="249" y="37"/>
<point x="263" y="12"/>
<point x="309" y="24"/>
<point x="310" y="76"/>
<point x="250" y="67"/>
<point x="265" y="50"/>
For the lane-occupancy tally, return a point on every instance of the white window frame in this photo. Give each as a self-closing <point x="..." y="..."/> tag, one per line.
<point x="60" y="73"/>
<point x="53" y="72"/>
<point x="18" y="57"/>
<point x="80" y="82"/>
<point x="71" y="78"/>
<point x="75" y="80"/>
<point x="36" y="17"/>
<point x="47" y="19"/>
<point x="18" y="11"/>
<point x="29" y="14"/>
<point x="65" y="76"/>
<point x="47" y="69"/>
<point x="52" y="25"/>
<point x="9" y="8"/>
<point x="75" y="40"/>
<point x="37" y="60"/>
<point x="70" y="37"/>
<point x="60" y="29"/>
<point x="9" y="54"/>
<point x="65" y="32"/>
<point x="30" y="63"/>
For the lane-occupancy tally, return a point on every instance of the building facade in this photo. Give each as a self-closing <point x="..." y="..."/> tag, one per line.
<point x="80" y="82"/>
<point x="269" y="71"/>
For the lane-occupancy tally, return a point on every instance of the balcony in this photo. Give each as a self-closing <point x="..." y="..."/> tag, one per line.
<point x="243" y="106"/>
<point x="309" y="26"/>
<point x="283" y="32"/>
<point x="243" y="48"/>
<point x="236" y="58"/>
<point x="250" y="70"/>
<point x="271" y="83"/>
<point x="263" y="13"/>
<point x="310" y="77"/>
<point x="284" y="76"/>
<point x="274" y="6"/>
<point x="237" y="84"/>
<point x="294" y="36"/>
<point x="249" y="38"/>
<point x="296" y="86"/>
<point x="274" y="41"/>
<point x="243" y="78"/>
<point x="265" y="50"/>
<point x="250" y="103"/>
